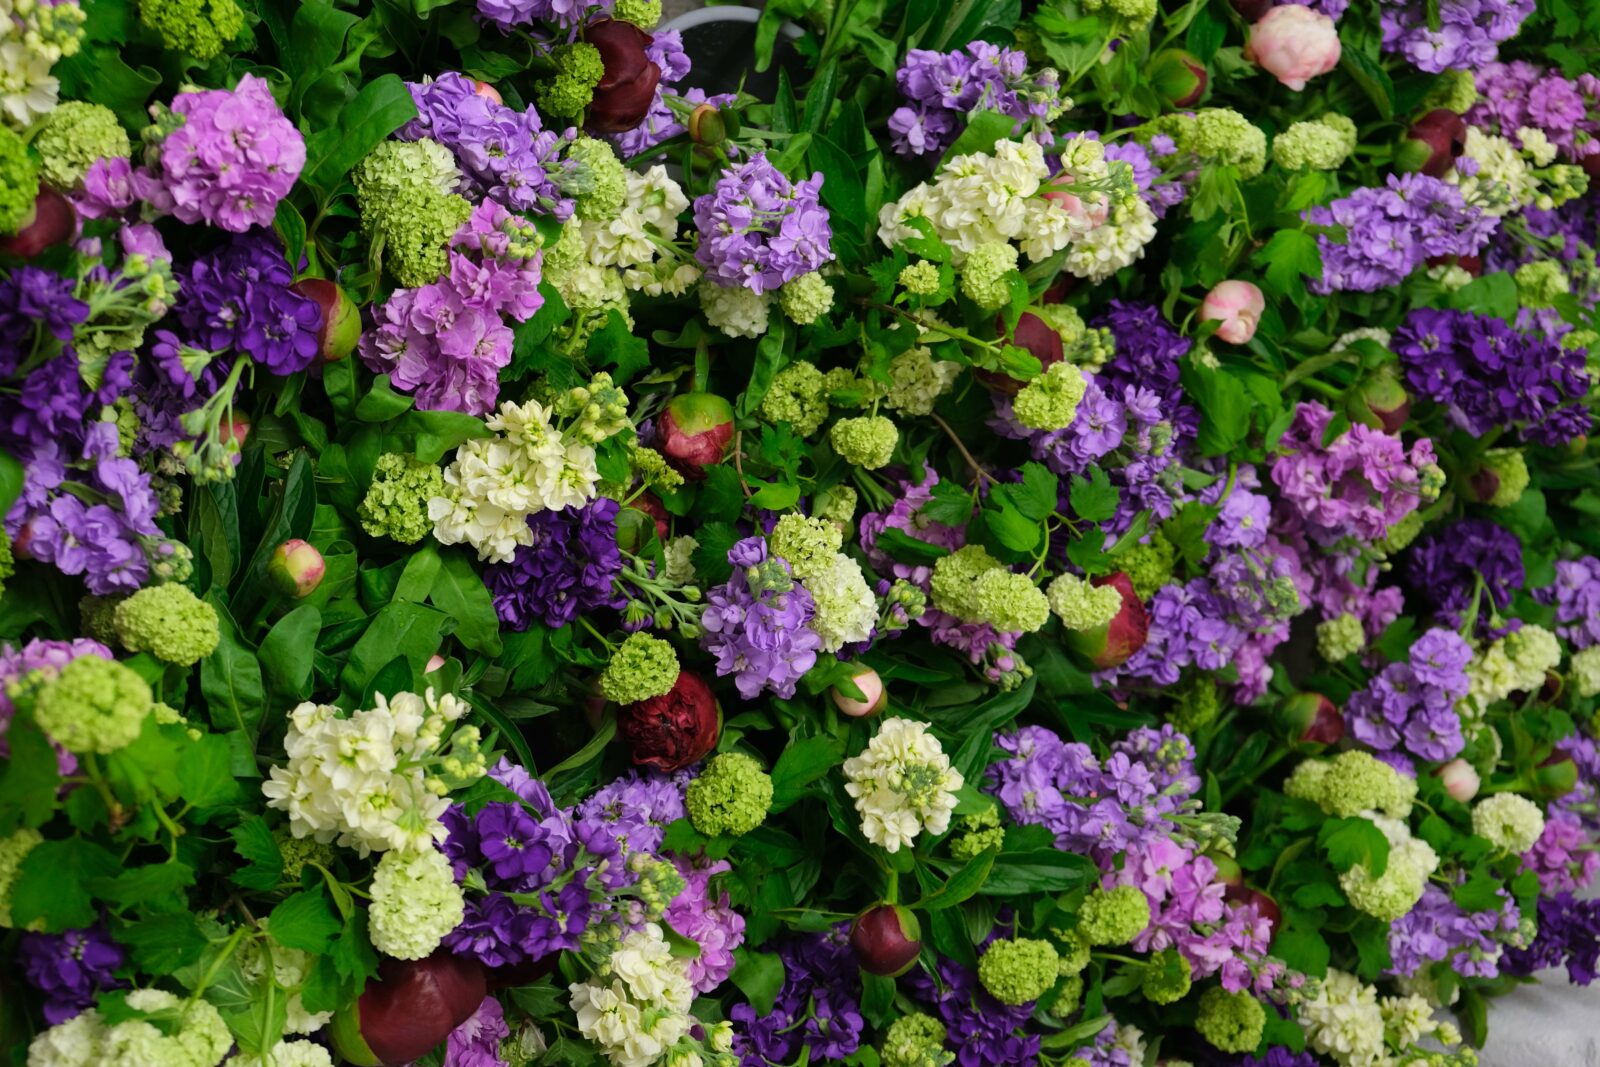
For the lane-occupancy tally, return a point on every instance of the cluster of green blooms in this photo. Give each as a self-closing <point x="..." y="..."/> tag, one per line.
<point x="1232" y="1022"/>
<point x="915" y="1040"/>
<point x="1510" y="469"/>
<point x="984" y="274"/>
<point x="192" y="1034"/>
<point x="1198" y="705"/>
<point x="642" y="13"/>
<point x="1167" y="977"/>
<point x="798" y="396"/>
<point x="837" y="505"/>
<point x="396" y="504"/>
<point x="917" y="381"/>
<point x="867" y="442"/>
<point x="980" y="832"/>
<point x="1453" y="90"/>
<point x="1050" y="401"/>
<point x="8" y="562"/>
<point x="169" y="622"/>
<point x="1131" y="15"/>
<point x="598" y="182"/>
<point x="1219" y="135"/>
<point x="1585" y="671"/>
<point x="1389" y="895"/>
<point x="202" y="28"/>
<point x="13" y="850"/>
<point x="1113" y="916"/>
<point x="1149" y="564"/>
<point x="19" y="181"/>
<point x="415" y="902"/>
<point x="731" y="796"/>
<point x="806" y="299"/>
<point x="975" y="587"/>
<point x="73" y="136"/>
<point x="808" y="544"/>
<point x="1515" y="663"/>
<point x="1018" y="970"/>
<point x="652" y="468"/>
<point x="296" y="852"/>
<point x="1400" y="535"/>
<point x="659" y="882"/>
<point x="579" y="69"/>
<point x="1508" y="821"/>
<point x="1340" y="637"/>
<point x="1351" y="783"/>
<point x="1081" y="605"/>
<point x="1321" y="145"/>
<point x="93" y="705"/>
<point x="642" y="667"/>
<point x="920" y="278"/>
<point x="594" y="412"/>
<point x="403" y="189"/>
<point x="1539" y="283"/>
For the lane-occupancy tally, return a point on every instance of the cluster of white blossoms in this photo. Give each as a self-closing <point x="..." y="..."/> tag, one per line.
<point x="1515" y="663"/>
<point x="1348" y="1023"/>
<point x="735" y="310"/>
<point x="637" y="1008"/>
<point x="415" y="902"/>
<point x="200" y="1038"/>
<point x="532" y="463"/>
<point x="597" y="261"/>
<point x="1396" y="891"/>
<point x="289" y="969"/>
<point x="285" y="1054"/>
<point x="902" y="784"/>
<point x="379" y="779"/>
<point x="1585" y="671"/>
<point x="1508" y="821"/>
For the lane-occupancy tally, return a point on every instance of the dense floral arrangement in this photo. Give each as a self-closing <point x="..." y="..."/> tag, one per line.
<point x="1051" y="533"/>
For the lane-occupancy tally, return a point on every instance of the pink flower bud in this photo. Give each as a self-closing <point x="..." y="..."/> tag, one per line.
<point x="1238" y="306"/>
<point x="435" y="661"/>
<point x="872" y="689"/>
<point x="296" y="568"/>
<point x="1433" y="143"/>
<point x="1179" y="77"/>
<point x="1294" y="44"/>
<point x="1459" y="780"/>
<point x="339" y="324"/>
<point x="695" y="431"/>
<point x="235" y="431"/>
<point x="487" y="91"/>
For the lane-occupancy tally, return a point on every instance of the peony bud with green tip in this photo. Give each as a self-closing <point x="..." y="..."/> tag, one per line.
<point x="339" y="322"/>
<point x="296" y="568"/>
<point x="1381" y="402"/>
<point x="1178" y="77"/>
<point x="695" y="431"/>
<point x="48" y="223"/>
<point x="1432" y="144"/>
<point x="1309" y="719"/>
<point x="1109" y="645"/>
<point x="874" y="694"/>
<point x="886" y="939"/>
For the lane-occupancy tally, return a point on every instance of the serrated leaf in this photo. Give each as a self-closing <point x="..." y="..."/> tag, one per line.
<point x="1094" y="498"/>
<point x="1352" y="841"/>
<point x="254" y="843"/>
<point x="305" y="921"/>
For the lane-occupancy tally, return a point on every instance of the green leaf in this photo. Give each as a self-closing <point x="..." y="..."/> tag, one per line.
<point x="53" y="884"/>
<point x="615" y="345"/>
<point x="1036" y="495"/>
<point x="459" y="592"/>
<point x="156" y="882"/>
<point x="162" y="944"/>
<point x="772" y="353"/>
<point x="286" y="654"/>
<point x="1288" y="259"/>
<point x="1224" y="405"/>
<point x="1302" y="949"/>
<point x="1038" y="871"/>
<point x="899" y="545"/>
<point x="1492" y="294"/>
<point x="254" y="843"/>
<point x="398" y="630"/>
<point x="305" y="921"/>
<point x="962" y="885"/>
<point x="382" y="403"/>
<point x="1011" y="527"/>
<point x="984" y="128"/>
<point x="802" y="762"/>
<point x="205" y="772"/>
<point x="11" y="475"/>
<point x="29" y="777"/>
<point x="1094" y="498"/>
<point x="382" y="106"/>
<point x="230" y="679"/>
<point x="774" y="496"/>
<point x="1352" y="841"/>
<point x="842" y="191"/>
<point x="1372" y="78"/>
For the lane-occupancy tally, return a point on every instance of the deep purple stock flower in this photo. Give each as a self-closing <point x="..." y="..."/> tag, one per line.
<point x="570" y="568"/>
<point x="70" y="968"/>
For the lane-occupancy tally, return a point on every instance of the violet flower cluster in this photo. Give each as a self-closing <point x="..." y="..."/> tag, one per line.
<point x="71" y="968"/>
<point x="570" y="568"/>
<point x="237" y="299"/>
<point x="1569" y="934"/>
<point x="1487" y="375"/>
<point x="980" y="1030"/>
<point x="1412" y="704"/>
<point x="446" y="342"/>
<point x="758" y="229"/>
<point x="1468" y="36"/>
<point x="32" y="299"/>
<point x="1564" y="857"/>
<point x="817" y="1009"/>
<point x="943" y="88"/>
<point x="756" y="623"/>
<point x="1575" y="594"/>
<point x="1392" y="229"/>
<point x="1444" y="569"/>
<point x="1189" y="627"/>
<point x="1521" y="95"/>
<point x="563" y="14"/>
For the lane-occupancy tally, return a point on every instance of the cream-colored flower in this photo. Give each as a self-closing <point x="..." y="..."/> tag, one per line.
<point x="902" y="784"/>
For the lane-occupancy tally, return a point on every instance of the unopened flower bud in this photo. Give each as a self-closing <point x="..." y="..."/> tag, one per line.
<point x="1237" y="305"/>
<point x="296" y="568"/>
<point x="1178" y="77"/>
<point x="695" y="431"/>
<point x="707" y="126"/>
<point x="339" y="322"/>
<point x="1460" y="780"/>
<point x="1294" y="44"/>
<point x="51" y="221"/>
<point x="874" y="694"/>
<point x="1433" y="143"/>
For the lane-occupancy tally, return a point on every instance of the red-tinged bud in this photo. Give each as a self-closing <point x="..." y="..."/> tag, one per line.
<point x="522" y="974"/>
<point x="1178" y="77"/>
<point x="874" y="694"/>
<point x="1381" y="402"/>
<point x="296" y="568"/>
<point x="707" y="125"/>
<point x="695" y="432"/>
<point x="886" y="939"/>
<point x="1556" y="776"/>
<point x="1473" y="265"/>
<point x="1591" y="166"/>
<point x="1252" y="10"/>
<point x="409" y="1010"/>
<point x="1310" y="719"/>
<point x="671" y="731"/>
<point x="1460" y="780"/>
<point x="1110" y="645"/>
<point x="339" y="327"/>
<point x="51" y="222"/>
<point x="1483" y="484"/>
<point x="635" y="522"/>
<point x="487" y="91"/>
<point x="236" y="431"/>
<point x="1433" y="144"/>
<point x="1035" y="335"/>
<point x="1059" y="289"/>
<point x="628" y="87"/>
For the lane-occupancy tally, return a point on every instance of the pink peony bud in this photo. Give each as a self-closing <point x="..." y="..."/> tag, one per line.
<point x="887" y="940"/>
<point x="1038" y="337"/>
<point x="51" y="222"/>
<point x="1179" y="77"/>
<point x="1238" y="306"/>
<point x="435" y="661"/>
<point x="872" y="689"/>
<point x="235" y="431"/>
<point x="1310" y="719"/>
<point x="695" y="431"/>
<point x="1381" y="402"/>
<point x="296" y="568"/>
<point x="1110" y="645"/>
<point x="339" y="324"/>
<point x="1459" y="780"/>
<point x="1294" y="44"/>
<point x="487" y="91"/>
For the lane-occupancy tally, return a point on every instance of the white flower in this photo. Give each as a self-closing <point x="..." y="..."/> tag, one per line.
<point x="1503" y="183"/>
<point x="1344" y="1021"/>
<point x="735" y="310"/>
<point x="1585" y="670"/>
<point x="415" y="902"/>
<point x="1508" y="821"/>
<point x="27" y="88"/>
<point x="678" y="554"/>
<point x="74" y="1043"/>
<point x="286" y="1054"/>
<point x="846" y="608"/>
<point x="1516" y="663"/>
<point x="902" y="784"/>
<point x="637" y="1008"/>
<point x="1537" y="145"/>
<point x="1405" y="877"/>
<point x="289" y="967"/>
<point x="1106" y="249"/>
<point x="1408" y="1019"/>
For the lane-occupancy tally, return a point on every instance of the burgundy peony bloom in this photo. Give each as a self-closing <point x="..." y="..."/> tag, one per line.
<point x="1434" y="143"/>
<point x="887" y="939"/>
<point x="672" y="731"/>
<point x="409" y="1010"/>
<point x="628" y="87"/>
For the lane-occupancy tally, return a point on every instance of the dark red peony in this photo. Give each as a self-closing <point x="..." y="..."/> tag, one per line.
<point x="886" y="939"/>
<point x="411" y="1007"/>
<point x="1038" y="337"/>
<point x="1434" y="143"/>
<point x="628" y="86"/>
<point x="672" y="731"/>
<point x="51" y="222"/>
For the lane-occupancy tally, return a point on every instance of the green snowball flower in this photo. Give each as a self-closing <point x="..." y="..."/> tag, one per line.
<point x="1019" y="970"/>
<point x="1232" y="1022"/>
<point x="1540" y="282"/>
<point x="1323" y="145"/>
<point x="8" y="562"/>
<point x="731" y="796"/>
<point x="1149" y="565"/>
<point x="396" y="504"/>
<point x="642" y="667"/>
<point x="642" y="13"/>
<point x="805" y="299"/>
<point x="1074" y="952"/>
<point x="1050" y="401"/>
<point x="19" y="181"/>
<point x="1010" y="602"/>
<point x="73" y="136"/>
<point x="403" y="190"/>
<point x="837" y="504"/>
<point x="1350" y="783"/>
<point x="798" y="396"/>
<point x="1114" y="916"/>
<point x="1167" y="977"/>
<point x="1224" y="135"/>
<point x="954" y="576"/>
<point x="1456" y="90"/>
<point x="1340" y="637"/>
<point x="915" y="1040"/>
<point x="809" y="545"/>
<point x="168" y="621"/>
<point x="867" y="442"/>
<point x="979" y="833"/>
<point x="1510" y="469"/>
<point x="1401" y="534"/>
<point x="920" y="278"/>
<point x="93" y="705"/>
<point x="599" y="182"/>
<point x="983" y="275"/>
<point x="1199" y="704"/>
<point x="1508" y="821"/>
<point x="202" y="28"/>
<point x="579" y="69"/>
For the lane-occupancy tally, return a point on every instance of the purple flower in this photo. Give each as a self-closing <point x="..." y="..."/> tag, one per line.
<point x="476" y="1042"/>
<point x="756" y="628"/>
<point x="570" y="568"/>
<point x="759" y="230"/>
<point x="1468" y="35"/>
<point x="1518" y="95"/>
<point x="1569" y="932"/>
<point x="1444" y="568"/>
<point x="238" y="298"/>
<point x="508" y="839"/>
<point x="1576" y="596"/>
<point x="817" y="1007"/>
<point x="1564" y="856"/>
<point x="1390" y="230"/>
<point x="493" y="930"/>
<point x="707" y="919"/>
<point x="943" y="88"/>
<point x="33" y="297"/>
<point x="980" y="1030"/>
<point x="70" y="968"/>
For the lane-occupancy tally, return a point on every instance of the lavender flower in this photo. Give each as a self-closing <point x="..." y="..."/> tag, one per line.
<point x="979" y="1029"/>
<point x="943" y="88"/>
<point x="476" y="1042"/>
<point x="1468" y="35"/>
<point x="1391" y="230"/>
<point x="707" y="918"/>
<point x="238" y="298"/>
<point x="1569" y="933"/>
<point x="571" y="567"/>
<point x="816" y="1009"/>
<point x="1443" y="569"/>
<point x="759" y="230"/>
<point x="1576" y="596"/>
<point x="30" y="298"/>
<point x="1519" y="95"/>
<point x="756" y="623"/>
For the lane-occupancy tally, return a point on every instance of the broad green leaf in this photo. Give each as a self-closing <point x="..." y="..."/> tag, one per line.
<point x="305" y="921"/>
<point x="962" y="885"/>
<point x="459" y="592"/>
<point x="802" y="762"/>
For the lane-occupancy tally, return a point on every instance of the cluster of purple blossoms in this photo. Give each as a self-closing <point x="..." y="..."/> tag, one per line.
<point x="818" y="1007"/>
<point x="1569" y="933"/>
<point x="1487" y="374"/>
<point x="1161" y="194"/>
<point x="1518" y="95"/>
<point x="570" y="568"/>
<point x="1148" y="354"/>
<point x="1468" y="34"/>
<point x="1189" y="627"/>
<point x="1277" y="1056"/>
<point x="758" y="229"/>
<point x="476" y="1042"/>
<point x="446" y="342"/>
<point x="70" y="968"/>
<point x="32" y="298"/>
<point x="506" y="155"/>
<point x="1413" y="703"/>
<point x="1357" y="486"/>
<point x="980" y="1030"/>
<point x="756" y="623"/>
<point x="232" y="159"/>
<point x="665" y="50"/>
<point x="238" y="298"/>
<point x="1392" y="229"/>
<point x="1096" y="808"/>
<point x="1582" y="803"/>
<point x="565" y="14"/>
<point x="1444" y="569"/>
<point x="945" y="87"/>
<point x="40" y="654"/>
<point x="1576" y="596"/>
<point x="1564" y="857"/>
<point x="706" y="917"/>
